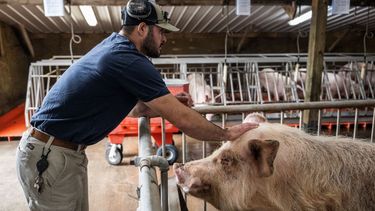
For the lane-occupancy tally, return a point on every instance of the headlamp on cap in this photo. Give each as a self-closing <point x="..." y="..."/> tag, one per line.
<point x="137" y="11"/>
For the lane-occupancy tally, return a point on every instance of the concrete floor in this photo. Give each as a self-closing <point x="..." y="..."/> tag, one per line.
<point x="110" y="187"/>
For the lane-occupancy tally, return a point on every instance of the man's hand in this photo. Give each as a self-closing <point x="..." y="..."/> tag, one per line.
<point x="236" y="131"/>
<point x="184" y="98"/>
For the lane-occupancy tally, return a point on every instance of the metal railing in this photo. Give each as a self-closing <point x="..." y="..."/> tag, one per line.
<point x="149" y="197"/>
<point x="282" y="107"/>
<point x="232" y="80"/>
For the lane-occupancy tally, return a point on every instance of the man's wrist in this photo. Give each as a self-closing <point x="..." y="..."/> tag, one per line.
<point x="226" y="135"/>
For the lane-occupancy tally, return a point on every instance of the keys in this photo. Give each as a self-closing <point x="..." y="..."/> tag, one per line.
<point x="38" y="184"/>
<point x="41" y="166"/>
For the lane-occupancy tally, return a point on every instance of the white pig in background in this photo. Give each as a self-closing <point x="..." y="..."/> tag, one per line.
<point x="337" y="83"/>
<point x="352" y="69"/>
<point x="200" y="91"/>
<point x="277" y="167"/>
<point x="274" y="82"/>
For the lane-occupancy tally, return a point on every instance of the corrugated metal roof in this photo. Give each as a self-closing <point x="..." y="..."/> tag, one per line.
<point x="191" y="19"/>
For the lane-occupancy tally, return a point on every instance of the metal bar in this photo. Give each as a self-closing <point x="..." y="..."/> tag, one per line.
<point x="319" y="121"/>
<point x="164" y="174"/>
<point x="204" y="149"/>
<point x="240" y="86"/>
<point x="163" y="136"/>
<point x="164" y="190"/>
<point x="338" y="122"/>
<point x="373" y="127"/>
<point x="231" y="86"/>
<point x="149" y="190"/>
<point x="355" y="123"/>
<point x="285" y="106"/>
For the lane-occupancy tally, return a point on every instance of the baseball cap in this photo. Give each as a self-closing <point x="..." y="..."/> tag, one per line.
<point x="149" y="12"/>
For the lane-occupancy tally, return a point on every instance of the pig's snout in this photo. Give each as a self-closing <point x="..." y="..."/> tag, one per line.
<point x="177" y="165"/>
<point x="178" y="170"/>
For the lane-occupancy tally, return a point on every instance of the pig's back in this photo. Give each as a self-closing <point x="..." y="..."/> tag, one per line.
<point x="321" y="171"/>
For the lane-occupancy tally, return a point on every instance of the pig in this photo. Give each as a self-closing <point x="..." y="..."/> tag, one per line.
<point x="354" y="71"/>
<point x="338" y="85"/>
<point x="277" y="167"/>
<point x="200" y="91"/>
<point x="273" y="83"/>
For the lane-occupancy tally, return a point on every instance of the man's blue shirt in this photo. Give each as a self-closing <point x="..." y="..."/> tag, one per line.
<point x="96" y="93"/>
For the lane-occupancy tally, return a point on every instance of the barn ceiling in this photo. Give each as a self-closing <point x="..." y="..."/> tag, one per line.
<point x="189" y="18"/>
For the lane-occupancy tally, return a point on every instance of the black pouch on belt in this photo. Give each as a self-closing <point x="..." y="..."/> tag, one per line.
<point x="41" y="166"/>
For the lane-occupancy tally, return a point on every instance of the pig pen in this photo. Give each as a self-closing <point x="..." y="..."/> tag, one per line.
<point x="239" y="79"/>
<point x="272" y="78"/>
<point x="235" y="89"/>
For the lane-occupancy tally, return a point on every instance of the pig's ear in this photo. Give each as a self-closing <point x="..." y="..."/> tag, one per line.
<point x="262" y="154"/>
<point x="255" y="117"/>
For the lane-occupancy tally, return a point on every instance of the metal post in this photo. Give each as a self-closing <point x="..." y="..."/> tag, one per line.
<point x="203" y="156"/>
<point x="163" y="136"/>
<point x="338" y="122"/>
<point x="355" y="123"/>
<point x="183" y="70"/>
<point x="319" y="121"/>
<point x="277" y="107"/>
<point x="373" y="127"/>
<point x="149" y="190"/>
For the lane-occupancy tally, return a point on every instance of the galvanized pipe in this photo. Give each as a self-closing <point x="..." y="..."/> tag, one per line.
<point x="319" y="121"/>
<point x="147" y="163"/>
<point x="338" y="122"/>
<point x="285" y="106"/>
<point x="149" y="190"/>
<point x="144" y="137"/>
<point x="373" y="127"/>
<point x="355" y="123"/>
<point x="163" y="137"/>
<point x="203" y="156"/>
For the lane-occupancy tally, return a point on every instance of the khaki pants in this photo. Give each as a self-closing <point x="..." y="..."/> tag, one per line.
<point x="65" y="180"/>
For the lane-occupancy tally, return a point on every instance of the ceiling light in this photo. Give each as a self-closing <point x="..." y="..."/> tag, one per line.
<point x="88" y="14"/>
<point x="306" y="16"/>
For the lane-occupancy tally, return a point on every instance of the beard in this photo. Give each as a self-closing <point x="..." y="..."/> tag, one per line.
<point x="149" y="47"/>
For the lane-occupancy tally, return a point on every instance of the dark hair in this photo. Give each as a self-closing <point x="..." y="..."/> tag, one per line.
<point x="130" y="29"/>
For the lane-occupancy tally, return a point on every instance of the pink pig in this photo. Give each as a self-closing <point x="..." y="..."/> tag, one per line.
<point x="277" y="167"/>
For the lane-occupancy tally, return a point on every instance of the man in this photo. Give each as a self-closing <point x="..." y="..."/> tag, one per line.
<point x="113" y="80"/>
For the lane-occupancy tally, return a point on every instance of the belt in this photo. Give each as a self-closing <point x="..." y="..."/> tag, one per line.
<point x="56" y="142"/>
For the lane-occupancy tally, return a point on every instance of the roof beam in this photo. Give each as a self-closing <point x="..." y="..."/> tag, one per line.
<point x="185" y="2"/>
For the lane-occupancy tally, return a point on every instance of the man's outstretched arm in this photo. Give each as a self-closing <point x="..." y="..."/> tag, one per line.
<point x="141" y="109"/>
<point x="193" y="123"/>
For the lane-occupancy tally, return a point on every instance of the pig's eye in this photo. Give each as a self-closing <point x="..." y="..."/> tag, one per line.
<point x="226" y="161"/>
